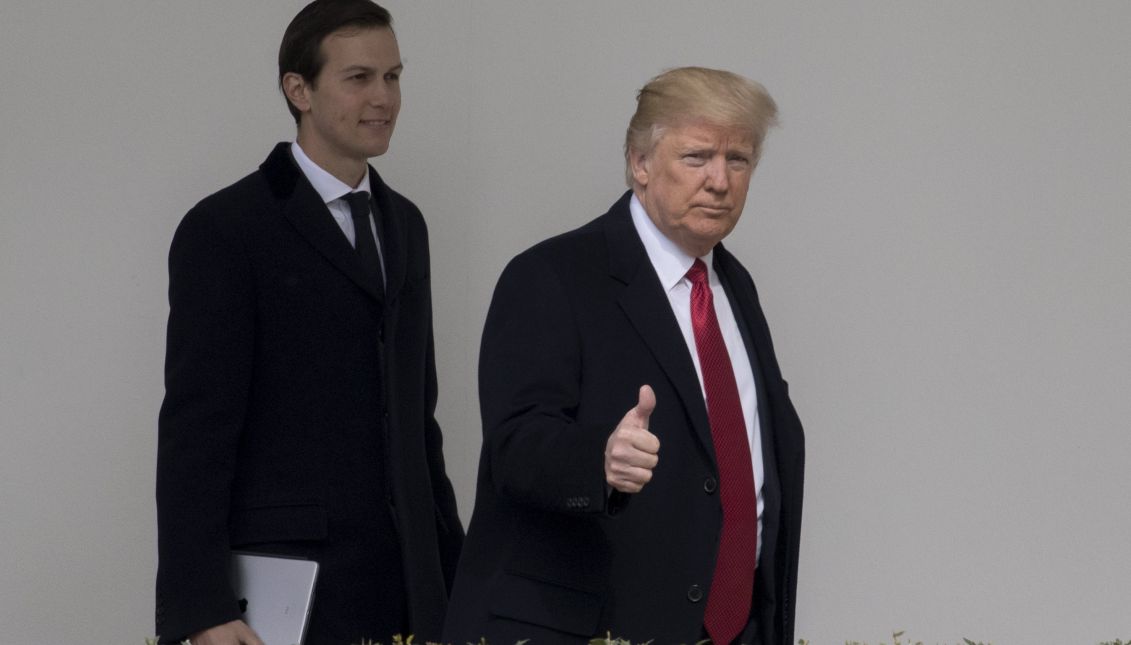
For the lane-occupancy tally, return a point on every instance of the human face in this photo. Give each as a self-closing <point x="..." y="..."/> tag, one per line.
<point x="350" y="109"/>
<point x="693" y="183"/>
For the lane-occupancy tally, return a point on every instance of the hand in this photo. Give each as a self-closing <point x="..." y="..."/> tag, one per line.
<point x="234" y="633"/>
<point x="631" y="452"/>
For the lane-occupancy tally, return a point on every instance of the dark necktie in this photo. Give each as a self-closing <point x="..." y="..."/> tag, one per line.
<point x="363" y="234"/>
<point x="728" y="604"/>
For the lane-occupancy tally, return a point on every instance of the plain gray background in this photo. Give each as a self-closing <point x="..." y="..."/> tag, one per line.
<point x="940" y="232"/>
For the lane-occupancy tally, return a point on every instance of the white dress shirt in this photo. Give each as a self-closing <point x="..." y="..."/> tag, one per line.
<point x="671" y="265"/>
<point x="333" y="191"/>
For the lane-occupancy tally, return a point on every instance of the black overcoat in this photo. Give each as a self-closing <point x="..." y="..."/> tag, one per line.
<point x="299" y="409"/>
<point x="577" y="324"/>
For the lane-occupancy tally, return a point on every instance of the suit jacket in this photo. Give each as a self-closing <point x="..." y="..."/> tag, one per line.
<point x="577" y="324"/>
<point x="299" y="409"/>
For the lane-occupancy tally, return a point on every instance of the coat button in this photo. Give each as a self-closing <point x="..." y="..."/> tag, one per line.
<point x="694" y="593"/>
<point x="710" y="485"/>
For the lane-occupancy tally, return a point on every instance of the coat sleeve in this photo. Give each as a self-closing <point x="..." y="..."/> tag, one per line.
<point x="207" y="374"/>
<point x="536" y="452"/>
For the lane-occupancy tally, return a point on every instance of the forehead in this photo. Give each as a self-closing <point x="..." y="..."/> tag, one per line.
<point x="699" y="132"/>
<point x="356" y="45"/>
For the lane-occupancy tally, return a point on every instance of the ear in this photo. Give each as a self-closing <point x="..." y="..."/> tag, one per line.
<point x="638" y="162"/>
<point x="297" y="91"/>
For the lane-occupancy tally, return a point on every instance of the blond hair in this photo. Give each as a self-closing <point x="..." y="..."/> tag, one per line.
<point x="698" y="94"/>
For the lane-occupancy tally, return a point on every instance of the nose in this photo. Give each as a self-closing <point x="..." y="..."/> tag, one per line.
<point x="379" y="92"/>
<point x="717" y="179"/>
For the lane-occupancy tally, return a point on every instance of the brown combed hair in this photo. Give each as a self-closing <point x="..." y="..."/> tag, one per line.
<point x="301" y="49"/>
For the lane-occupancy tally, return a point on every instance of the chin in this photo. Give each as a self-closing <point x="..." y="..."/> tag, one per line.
<point x="709" y="239"/>
<point x="376" y="150"/>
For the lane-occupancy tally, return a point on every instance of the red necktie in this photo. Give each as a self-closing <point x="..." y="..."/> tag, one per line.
<point x="728" y="604"/>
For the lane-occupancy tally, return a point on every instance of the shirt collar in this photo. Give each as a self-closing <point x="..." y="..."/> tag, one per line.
<point x="670" y="261"/>
<point x="326" y="185"/>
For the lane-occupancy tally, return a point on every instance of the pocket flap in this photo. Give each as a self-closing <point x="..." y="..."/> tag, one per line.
<point x="547" y="604"/>
<point x="277" y="523"/>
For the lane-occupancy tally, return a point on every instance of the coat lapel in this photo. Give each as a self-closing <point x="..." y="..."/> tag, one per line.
<point x="647" y="308"/>
<point x="787" y="442"/>
<point x="393" y="234"/>
<point x="744" y="299"/>
<point x="304" y="209"/>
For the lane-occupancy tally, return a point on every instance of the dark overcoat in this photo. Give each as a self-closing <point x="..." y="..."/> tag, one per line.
<point x="299" y="411"/>
<point x="577" y="324"/>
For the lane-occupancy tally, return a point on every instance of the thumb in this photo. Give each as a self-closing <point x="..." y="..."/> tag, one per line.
<point x="645" y="404"/>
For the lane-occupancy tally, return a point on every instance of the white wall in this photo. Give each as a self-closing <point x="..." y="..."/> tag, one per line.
<point x="940" y="231"/>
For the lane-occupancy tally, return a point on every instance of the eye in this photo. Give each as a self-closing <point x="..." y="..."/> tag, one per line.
<point x="360" y="76"/>
<point x="393" y="77"/>
<point x="739" y="160"/>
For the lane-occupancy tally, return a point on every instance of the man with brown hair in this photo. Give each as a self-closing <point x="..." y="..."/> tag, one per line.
<point x="642" y="464"/>
<point x="300" y="381"/>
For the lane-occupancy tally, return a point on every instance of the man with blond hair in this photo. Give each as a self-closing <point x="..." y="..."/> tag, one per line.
<point x="642" y="464"/>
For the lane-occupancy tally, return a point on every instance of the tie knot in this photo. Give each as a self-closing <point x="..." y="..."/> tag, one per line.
<point x="698" y="273"/>
<point x="359" y="204"/>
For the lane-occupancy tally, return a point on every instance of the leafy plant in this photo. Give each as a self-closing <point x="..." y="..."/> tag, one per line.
<point x="896" y="638"/>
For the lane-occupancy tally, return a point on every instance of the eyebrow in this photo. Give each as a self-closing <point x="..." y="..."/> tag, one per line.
<point x="399" y="67"/>
<point x="698" y="147"/>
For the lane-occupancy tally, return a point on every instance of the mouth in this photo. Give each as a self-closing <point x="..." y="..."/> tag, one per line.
<point x="712" y="209"/>
<point x="376" y="123"/>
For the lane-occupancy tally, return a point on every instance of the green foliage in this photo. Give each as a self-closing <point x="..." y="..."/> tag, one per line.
<point x="896" y="639"/>
<point x="897" y="636"/>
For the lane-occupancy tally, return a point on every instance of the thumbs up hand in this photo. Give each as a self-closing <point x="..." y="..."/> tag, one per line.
<point x="632" y="451"/>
